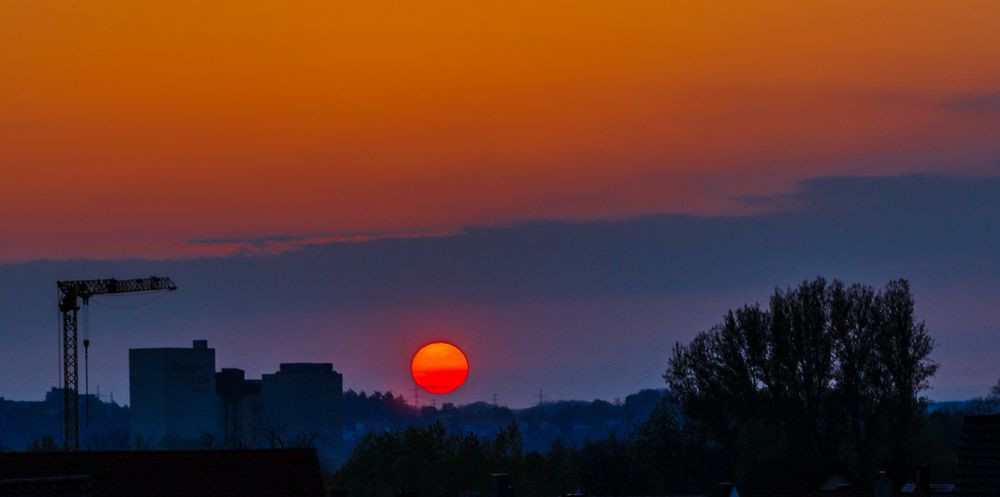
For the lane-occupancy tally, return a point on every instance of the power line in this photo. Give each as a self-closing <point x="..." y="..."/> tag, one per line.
<point x="156" y="298"/>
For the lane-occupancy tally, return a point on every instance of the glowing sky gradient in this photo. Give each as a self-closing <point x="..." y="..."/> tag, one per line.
<point x="581" y="310"/>
<point x="565" y="188"/>
<point x="129" y="129"/>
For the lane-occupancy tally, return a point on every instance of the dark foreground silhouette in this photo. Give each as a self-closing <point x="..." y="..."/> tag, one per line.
<point x="824" y="375"/>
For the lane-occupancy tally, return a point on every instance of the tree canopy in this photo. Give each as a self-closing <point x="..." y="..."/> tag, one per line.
<point x="826" y="371"/>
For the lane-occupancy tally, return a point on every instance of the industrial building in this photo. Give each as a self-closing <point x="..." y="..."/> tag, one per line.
<point x="178" y="397"/>
<point x="302" y="404"/>
<point x="239" y="408"/>
<point x="172" y="392"/>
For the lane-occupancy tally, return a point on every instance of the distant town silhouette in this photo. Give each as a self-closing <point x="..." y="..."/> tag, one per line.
<point x="823" y="382"/>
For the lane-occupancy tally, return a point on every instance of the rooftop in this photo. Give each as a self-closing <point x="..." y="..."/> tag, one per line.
<point x="195" y="473"/>
<point x="979" y="457"/>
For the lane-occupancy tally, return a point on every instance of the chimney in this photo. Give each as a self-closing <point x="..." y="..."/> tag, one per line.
<point x="883" y="486"/>
<point x="200" y="344"/>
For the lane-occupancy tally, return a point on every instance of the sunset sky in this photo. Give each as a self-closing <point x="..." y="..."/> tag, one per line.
<point x="408" y="150"/>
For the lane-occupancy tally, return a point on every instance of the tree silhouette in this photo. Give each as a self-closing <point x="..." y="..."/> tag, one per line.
<point x="825" y="372"/>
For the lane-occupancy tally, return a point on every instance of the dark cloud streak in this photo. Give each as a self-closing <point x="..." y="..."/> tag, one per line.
<point x="557" y="286"/>
<point x="986" y="103"/>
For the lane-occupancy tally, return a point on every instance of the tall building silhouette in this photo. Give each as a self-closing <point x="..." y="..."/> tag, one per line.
<point x="239" y="408"/>
<point x="172" y="392"/>
<point x="303" y="401"/>
<point x="179" y="398"/>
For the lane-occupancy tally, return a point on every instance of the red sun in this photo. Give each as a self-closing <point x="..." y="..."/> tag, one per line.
<point x="439" y="367"/>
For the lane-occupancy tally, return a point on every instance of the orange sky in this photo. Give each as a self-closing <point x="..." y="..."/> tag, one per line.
<point x="128" y="128"/>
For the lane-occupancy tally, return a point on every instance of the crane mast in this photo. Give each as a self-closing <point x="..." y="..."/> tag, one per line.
<point x="71" y="295"/>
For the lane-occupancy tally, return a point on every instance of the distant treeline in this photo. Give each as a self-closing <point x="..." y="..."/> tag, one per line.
<point x="572" y="422"/>
<point x="35" y="425"/>
<point x="662" y="457"/>
<point x="432" y="460"/>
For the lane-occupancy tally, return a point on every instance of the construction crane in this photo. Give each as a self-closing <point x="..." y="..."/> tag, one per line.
<point x="71" y="294"/>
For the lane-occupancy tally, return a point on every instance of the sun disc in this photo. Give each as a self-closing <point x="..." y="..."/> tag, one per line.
<point x="439" y="367"/>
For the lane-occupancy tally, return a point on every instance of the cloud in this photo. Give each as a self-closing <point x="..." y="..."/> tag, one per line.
<point x="579" y="308"/>
<point x="277" y="244"/>
<point x="984" y="103"/>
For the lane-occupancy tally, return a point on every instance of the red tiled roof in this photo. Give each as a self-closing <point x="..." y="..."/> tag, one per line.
<point x="196" y="473"/>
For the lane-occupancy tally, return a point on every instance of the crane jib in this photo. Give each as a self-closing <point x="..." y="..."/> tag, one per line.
<point x="70" y="292"/>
